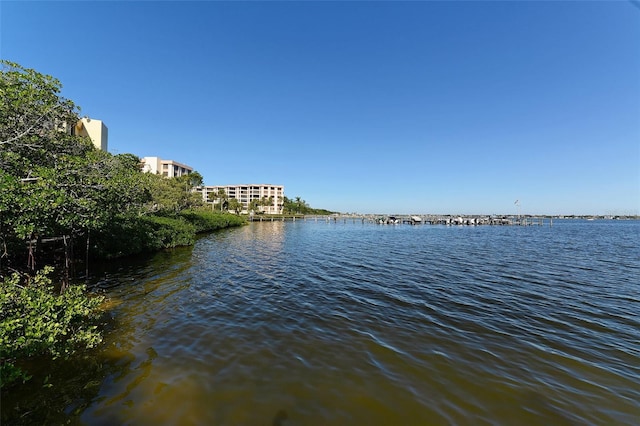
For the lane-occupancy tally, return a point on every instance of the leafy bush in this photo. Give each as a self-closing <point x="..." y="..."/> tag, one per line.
<point x="206" y="220"/>
<point x="129" y="235"/>
<point x="34" y="320"/>
<point x="169" y="232"/>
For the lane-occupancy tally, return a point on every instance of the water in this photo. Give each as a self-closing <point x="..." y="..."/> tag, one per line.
<point x="311" y="323"/>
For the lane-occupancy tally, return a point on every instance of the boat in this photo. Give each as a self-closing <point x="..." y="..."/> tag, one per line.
<point x="391" y="220"/>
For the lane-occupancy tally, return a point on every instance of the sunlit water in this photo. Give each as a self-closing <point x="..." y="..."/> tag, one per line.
<point x="321" y="323"/>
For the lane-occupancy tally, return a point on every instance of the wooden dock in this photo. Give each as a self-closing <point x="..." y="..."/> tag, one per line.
<point x="447" y="220"/>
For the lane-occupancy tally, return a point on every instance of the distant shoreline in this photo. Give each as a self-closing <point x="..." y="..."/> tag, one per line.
<point x="434" y="215"/>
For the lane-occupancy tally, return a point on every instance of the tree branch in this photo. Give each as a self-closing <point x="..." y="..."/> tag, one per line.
<point x="15" y="138"/>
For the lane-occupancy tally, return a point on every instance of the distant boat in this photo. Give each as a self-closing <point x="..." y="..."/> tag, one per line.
<point x="415" y="220"/>
<point x="391" y="220"/>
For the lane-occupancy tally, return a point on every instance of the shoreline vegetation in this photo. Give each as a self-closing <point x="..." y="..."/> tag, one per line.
<point x="63" y="202"/>
<point x="41" y="318"/>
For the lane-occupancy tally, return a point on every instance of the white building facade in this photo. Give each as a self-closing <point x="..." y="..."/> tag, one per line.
<point x="167" y="168"/>
<point x="272" y="196"/>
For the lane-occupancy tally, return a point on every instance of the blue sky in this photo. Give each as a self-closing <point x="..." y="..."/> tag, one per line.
<point x="369" y="107"/>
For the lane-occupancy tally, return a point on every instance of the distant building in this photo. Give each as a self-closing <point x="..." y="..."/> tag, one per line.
<point x="168" y="168"/>
<point x="274" y="194"/>
<point x="94" y="129"/>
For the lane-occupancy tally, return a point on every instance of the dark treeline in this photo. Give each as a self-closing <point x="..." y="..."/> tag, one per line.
<point x="300" y="206"/>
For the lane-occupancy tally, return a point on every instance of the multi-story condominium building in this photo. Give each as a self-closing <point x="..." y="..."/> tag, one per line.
<point x="92" y="128"/>
<point x="168" y="168"/>
<point x="267" y="193"/>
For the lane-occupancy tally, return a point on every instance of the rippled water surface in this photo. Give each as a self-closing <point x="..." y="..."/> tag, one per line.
<point x="315" y="323"/>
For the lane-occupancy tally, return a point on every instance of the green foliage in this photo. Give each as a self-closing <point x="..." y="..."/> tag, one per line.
<point x="254" y="205"/>
<point x="132" y="235"/>
<point x="32" y="147"/>
<point x="32" y="115"/>
<point x="234" y="205"/>
<point x="297" y="206"/>
<point x="206" y="220"/>
<point x="169" y="232"/>
<point x="222" y="196"/>
<point x="128" y="235"/>
<point x="52" y="183"/>
<point x="34" y="320"/>
<point x="124" y="236"/>
<point x="259" y="205"/>
<point x="300" y="206"/>
<point x="324" y="212"/>
<point x="172" y="195"/>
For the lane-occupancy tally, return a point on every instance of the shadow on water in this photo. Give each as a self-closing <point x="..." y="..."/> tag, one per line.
<point x="280" y="418"/>
<point x="60" y="390"/>
<point x="106" y="274"/>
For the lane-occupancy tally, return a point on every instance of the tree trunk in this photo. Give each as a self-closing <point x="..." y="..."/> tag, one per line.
<point x="86" y="259"/>
<point x="72" y="257"/>
<point x="65" y="277"/>
<point x="31" y="258"/>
